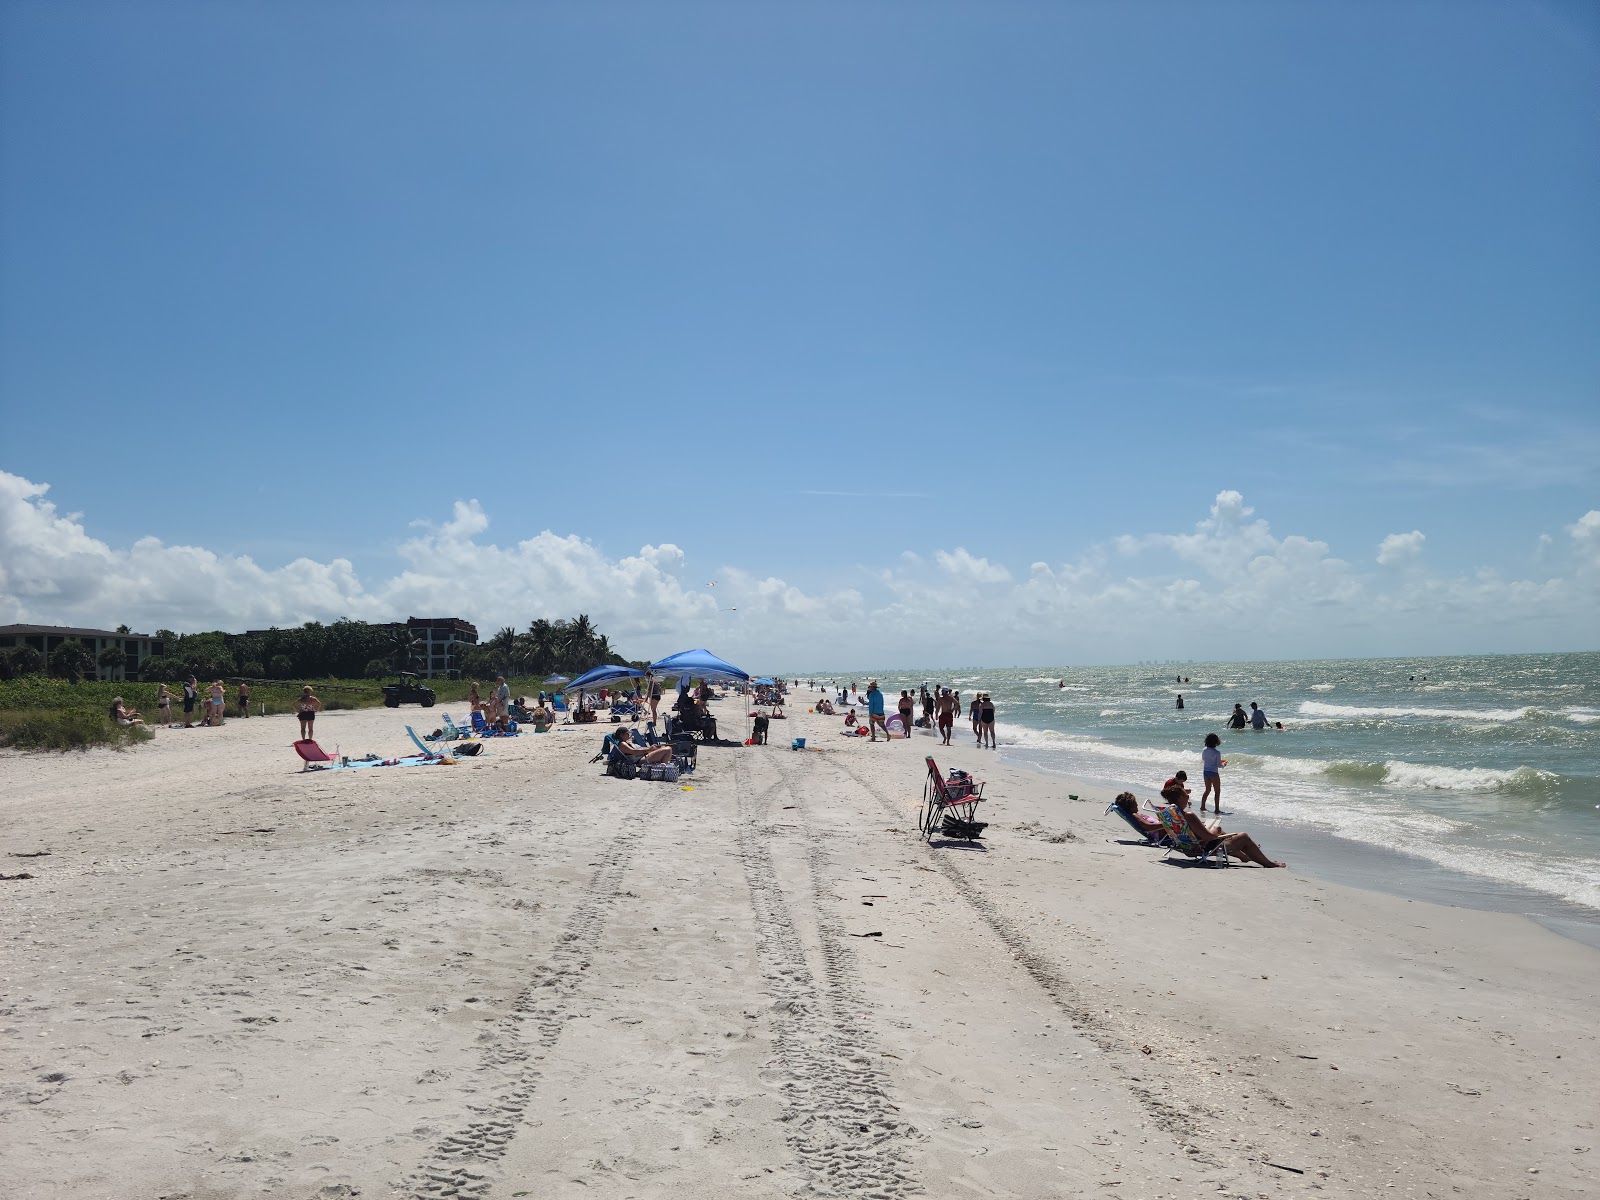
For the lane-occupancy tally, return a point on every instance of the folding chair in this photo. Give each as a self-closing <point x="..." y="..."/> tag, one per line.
<point x="310" y="753"/>
<point x="950" y="805"/>
<point x="1185" y="843"/>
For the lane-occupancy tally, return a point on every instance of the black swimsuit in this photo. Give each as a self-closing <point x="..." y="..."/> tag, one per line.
<point x="987" y="714"/>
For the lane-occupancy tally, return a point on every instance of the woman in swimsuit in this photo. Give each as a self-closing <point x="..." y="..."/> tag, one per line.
<point x="219" y="696"/>
<point x="986" y="719"/>
<point x="164" y="703"/>
<point x="308" y="706"/>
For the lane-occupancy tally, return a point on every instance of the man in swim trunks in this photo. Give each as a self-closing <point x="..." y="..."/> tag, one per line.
<point x="191" y="693"/>
<point x="875" y="711"/>
<point x="947" y="715"/>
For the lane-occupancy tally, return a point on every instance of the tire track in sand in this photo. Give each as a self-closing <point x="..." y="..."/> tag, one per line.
<point x="459" y="1165"/>
<point x="840" y="1121"/>
<point x="1177" y="1119"/>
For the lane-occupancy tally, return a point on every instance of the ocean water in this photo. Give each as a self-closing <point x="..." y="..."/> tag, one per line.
<point x="1487" y="765"/>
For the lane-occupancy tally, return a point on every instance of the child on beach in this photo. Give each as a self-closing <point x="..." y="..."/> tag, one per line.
<point x="1211" y="766"/>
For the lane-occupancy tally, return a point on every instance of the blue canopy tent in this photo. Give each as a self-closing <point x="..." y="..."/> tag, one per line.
<point x="689" y="664"/>
<point x="602" y="676"/>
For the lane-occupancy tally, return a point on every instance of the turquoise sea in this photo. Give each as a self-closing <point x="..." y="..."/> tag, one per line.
<point x="1486" y="765"/>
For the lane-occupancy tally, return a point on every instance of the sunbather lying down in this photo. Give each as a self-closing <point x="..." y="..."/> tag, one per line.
<point x="1238" y="845"/>
<point x="644" y="754"/>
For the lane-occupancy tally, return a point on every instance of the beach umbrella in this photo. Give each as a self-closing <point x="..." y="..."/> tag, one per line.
<point x="763" y="682"/>
<point x="687" y="664"/>
<point x="558" y="679"/>
<point x="602" y="676"/>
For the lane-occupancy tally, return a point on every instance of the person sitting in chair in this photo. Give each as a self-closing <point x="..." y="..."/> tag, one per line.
<point x="645" y="754"/>
<point x="1239" y="845"/>
<point x="1129" y="805"/>
<point x="123" y="715"/>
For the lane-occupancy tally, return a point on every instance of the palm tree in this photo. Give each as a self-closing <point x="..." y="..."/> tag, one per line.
<point x="405" y="649"/>
<point x="503" y="645"/>
<point x="543" y="644"/>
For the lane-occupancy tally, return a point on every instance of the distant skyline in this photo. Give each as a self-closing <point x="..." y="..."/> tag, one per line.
<point x="1001" y="333"/>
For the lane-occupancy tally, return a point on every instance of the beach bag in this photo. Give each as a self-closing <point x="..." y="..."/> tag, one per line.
<point x="621" y="766"/>
<point x="469" y="748"/>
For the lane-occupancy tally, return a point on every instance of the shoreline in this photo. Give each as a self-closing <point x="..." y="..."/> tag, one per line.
<point x="1387" y="871"/>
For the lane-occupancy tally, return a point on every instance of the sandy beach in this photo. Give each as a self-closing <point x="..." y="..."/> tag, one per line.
<point x="515" y="976"/>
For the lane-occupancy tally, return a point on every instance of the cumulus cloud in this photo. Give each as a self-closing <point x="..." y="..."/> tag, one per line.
<point x="966" y="567"/>
<point x="1400" y="548"/>
<point x="1228" y="588"/>
<point x="1585" y="533"/>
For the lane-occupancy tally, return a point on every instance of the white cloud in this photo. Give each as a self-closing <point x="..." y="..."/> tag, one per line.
<point x="1230" y="588"/>
<point x="964" y="566"/>
<point x="1585" y="533"/>
<point x="1400" y="547"/>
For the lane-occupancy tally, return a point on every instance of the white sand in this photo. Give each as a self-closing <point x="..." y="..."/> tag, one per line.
<point x="515" y="975"/>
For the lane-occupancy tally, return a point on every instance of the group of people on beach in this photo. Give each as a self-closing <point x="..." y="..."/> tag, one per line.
<point x="210" y="706"/>
<point x="1175" y="791"/>
<point x="939" y="707"/>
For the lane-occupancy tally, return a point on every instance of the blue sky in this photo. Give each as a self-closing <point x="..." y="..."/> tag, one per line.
<point x="280" y="280"/>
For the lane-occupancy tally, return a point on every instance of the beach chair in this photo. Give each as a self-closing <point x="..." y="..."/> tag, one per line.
<point x="949" y="806"/>
<point x="1149" y="836"/>
<point x="310" y="753"/>
<point x="1186" y="844"/>
<point x="558" y="703"/>
<point x="426" y="753"/>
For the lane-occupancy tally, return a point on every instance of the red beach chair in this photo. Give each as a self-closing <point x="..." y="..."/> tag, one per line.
<point x="310" y="752"/>
<point x="950" y="805"/>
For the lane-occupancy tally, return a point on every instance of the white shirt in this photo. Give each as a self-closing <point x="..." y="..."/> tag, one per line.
<point x="1211" y="760"/>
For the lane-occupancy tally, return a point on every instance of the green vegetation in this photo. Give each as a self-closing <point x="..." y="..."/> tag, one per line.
<point x="345" y="662"/>
<point x="65" y="729"/>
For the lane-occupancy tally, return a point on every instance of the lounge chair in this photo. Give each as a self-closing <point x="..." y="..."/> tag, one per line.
<point x="1154" y="837"/>
<point x="949" y="806"/>
<point x="1184" y="842"/>
<point x="310" y="753"/>
<point x="426" y="753"/>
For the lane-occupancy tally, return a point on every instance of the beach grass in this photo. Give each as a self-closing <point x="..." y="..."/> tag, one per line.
<point x="44" y="713"/>
<point x="65" y="729"/>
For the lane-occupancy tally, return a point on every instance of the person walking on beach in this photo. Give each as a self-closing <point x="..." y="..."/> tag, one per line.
<point x="191" y="695"/>
<point x="947" y="715"/>
<point x="972" y="715"/>
<point x="244" y="697"/>
<point x="655" y="697"/>
<point x="164" y="704"/>
<point x="1258" y="717"/>
<point x="986" y="722"/>
<point x="1211" y="768"/>
<point x="907" y="707"/>
<point x="307" y="708"/>
<point x="875" y="711"/>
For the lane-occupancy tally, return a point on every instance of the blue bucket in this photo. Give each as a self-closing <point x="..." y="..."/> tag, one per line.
<point x="798" y="744"/>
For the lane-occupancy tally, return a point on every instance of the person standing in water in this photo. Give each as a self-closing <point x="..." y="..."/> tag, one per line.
<point x="1180" y="700"/>
<point x="1258" y="717"/>
<point x="986" y="722"/>
<point x="1211" y="767"/>
<point x="1237" y="719"/>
